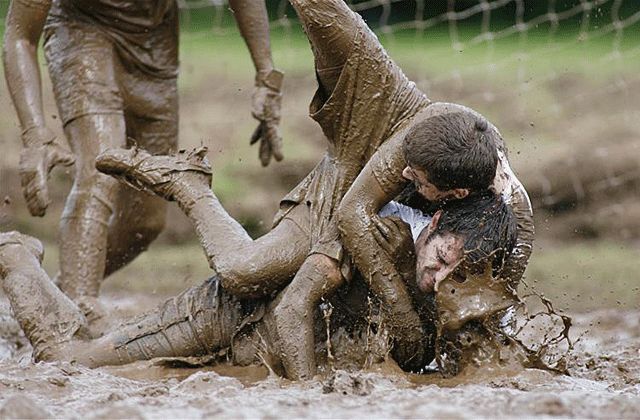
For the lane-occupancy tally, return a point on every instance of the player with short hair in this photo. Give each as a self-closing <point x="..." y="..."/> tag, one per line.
<point x="366" y="108"/>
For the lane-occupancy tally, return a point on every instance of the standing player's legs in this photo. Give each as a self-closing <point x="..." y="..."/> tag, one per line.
<point x="151" y="115"/>
<point x="85" y="220"/>
<point x="82" y="64"/>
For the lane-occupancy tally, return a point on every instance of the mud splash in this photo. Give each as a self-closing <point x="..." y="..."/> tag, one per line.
<point x="604" y="382"/>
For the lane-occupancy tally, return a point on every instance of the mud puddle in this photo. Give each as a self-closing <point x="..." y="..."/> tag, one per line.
<point x="604" y="383"/>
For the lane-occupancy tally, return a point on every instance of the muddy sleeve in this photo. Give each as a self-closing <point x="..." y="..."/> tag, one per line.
<point x="515" y="195"/>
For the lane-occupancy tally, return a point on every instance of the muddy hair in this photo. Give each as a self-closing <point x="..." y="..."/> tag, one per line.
<point x="456" y="150"/>
<point x="486" y="223"/>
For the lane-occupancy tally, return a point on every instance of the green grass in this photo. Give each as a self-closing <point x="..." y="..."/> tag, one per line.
<point x="586" y="276"/>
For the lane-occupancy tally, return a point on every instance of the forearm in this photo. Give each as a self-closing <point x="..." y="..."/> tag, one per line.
<point x="387" y="284"/>
<point x="253" y="23"/>
<point x="22" y="74"/>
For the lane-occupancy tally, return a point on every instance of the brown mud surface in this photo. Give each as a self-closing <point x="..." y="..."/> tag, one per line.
<point x="604" y="383"/>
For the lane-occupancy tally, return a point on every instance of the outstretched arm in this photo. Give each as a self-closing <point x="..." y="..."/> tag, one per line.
<point x="253" y="22"/>
<point x="379" y="182"/>
<point x="42" y="151"/>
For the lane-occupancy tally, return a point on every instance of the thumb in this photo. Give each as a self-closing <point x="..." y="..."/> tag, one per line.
<point x="58" y="155"/>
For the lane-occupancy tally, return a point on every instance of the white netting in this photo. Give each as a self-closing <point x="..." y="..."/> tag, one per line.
<point x="558" y="71"/>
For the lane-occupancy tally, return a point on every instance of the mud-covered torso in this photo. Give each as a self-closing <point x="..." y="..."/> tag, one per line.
<point x="144" y="32"/>
<point x="129" y="16"/>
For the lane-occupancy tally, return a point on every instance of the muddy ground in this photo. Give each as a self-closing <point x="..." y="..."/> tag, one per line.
<point x="604" y="382"/>
<point x="562" y="117"/>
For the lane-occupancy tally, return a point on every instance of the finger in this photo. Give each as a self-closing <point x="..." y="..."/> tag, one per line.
<point x="58" y="156"/>
<point x="275" y="139"/>
<point x="381" y="225"/>
<point x="399" y="226"/>
<point x="35" y="192"/>
<point x="265" y="152"/>
<point x="64" y="157"/>
<point x="382" y="241"/>
<point x="257" y="134"/>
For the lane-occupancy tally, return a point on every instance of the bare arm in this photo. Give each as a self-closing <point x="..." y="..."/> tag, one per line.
<point x="358" y="221"/>
<point x="42" y="151"/>
<point x="253" y="22"/>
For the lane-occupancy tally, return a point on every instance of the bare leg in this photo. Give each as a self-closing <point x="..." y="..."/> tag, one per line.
<point x="291" y="318"/>
<point x="247" y="268"/>
<point x="84" y="223"/>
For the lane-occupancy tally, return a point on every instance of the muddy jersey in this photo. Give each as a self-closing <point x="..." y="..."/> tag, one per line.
<point x="145" y="32"/>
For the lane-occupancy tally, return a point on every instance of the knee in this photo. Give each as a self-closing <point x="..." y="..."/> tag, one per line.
<point x="92" y="196"/>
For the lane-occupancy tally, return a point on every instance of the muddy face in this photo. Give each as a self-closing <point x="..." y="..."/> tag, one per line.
<point x="437" y="256"/>
<point x="427" y="189"/>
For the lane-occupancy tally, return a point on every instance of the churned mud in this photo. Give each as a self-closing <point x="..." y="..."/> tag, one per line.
<point x="604" y="381"/>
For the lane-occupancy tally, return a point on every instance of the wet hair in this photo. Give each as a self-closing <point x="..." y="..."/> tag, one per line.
<point x="487" y="225"/>
<point x="456" y="150"/>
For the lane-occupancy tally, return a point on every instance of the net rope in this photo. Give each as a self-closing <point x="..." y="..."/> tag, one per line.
<point x="566" y="25"/>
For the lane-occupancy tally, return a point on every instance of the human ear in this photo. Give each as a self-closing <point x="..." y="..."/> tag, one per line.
<point x="434" y="222"/>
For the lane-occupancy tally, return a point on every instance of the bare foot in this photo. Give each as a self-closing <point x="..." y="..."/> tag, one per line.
<point x="164" y="175"/>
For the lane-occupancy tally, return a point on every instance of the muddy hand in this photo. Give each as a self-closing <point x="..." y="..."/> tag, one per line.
<point x="266" y="104"/>
<point x="41" y="153"/>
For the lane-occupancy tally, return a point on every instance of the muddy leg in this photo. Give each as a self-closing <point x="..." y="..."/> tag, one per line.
<point x="247" y="268"/>
<point x="199" y="321"/>
<point x="84" y="222"/>
<point x="139" y="217"/>
<point x="291" y="315"/>
<point x="47" y="316"/>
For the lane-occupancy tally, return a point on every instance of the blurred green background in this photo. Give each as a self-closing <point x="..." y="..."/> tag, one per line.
<point x="559" y="78"/>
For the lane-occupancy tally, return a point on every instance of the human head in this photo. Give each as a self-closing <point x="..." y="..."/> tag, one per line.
<point x="451" y="155"/>
<point x="463" y="237"/>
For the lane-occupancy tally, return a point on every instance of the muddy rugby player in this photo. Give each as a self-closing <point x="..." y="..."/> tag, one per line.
<point x="208" y="320"/>
<point x="362" y="80"/>
<point x="113" y="66"/>
<point x="383" y="133"/>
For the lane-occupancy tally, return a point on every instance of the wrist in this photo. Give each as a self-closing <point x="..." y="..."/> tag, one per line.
<point x="271" y="79"/>
<point x="37" y="135"/>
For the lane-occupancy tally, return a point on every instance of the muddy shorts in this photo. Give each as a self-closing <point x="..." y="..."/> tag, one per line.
<point x="371" y="101"/>
<point x="90" y="76"/>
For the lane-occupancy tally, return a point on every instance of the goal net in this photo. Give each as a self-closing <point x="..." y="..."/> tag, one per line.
<point x="558" y="77"/>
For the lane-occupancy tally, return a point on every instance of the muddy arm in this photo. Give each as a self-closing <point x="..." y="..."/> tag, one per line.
<point x="24" y="24"/>
<point x="253" y="22"/>
<point x="42" y="151"/>
<point x="358" y="214"/>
